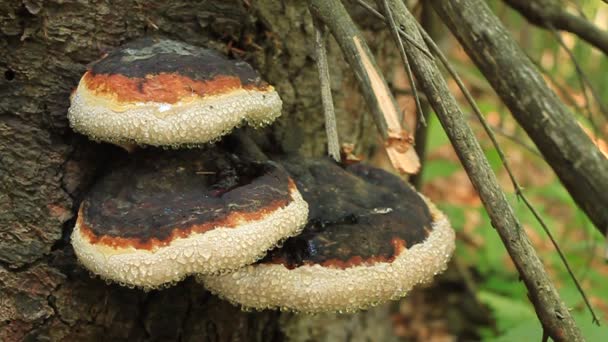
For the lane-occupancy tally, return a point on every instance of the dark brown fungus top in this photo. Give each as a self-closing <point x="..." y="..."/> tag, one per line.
<point x="140" y="69"/>
<point x="357" y="215"/>
<point x="162" y="215"/>
<point x="159" y="196"/>
<point x="369" y="238"/>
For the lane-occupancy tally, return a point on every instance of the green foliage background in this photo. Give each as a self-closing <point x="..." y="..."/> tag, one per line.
<point x="498" y="285"/>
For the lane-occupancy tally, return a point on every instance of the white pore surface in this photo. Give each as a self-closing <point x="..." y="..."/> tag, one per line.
<point x="193" y="122"/>
<point x="214" y="251"/>
<point x="314" y="289"/>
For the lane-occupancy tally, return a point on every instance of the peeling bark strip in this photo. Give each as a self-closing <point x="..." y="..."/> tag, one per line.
<point x="575" y="159"/>
<point x="398" y="141"/>
<point x="380" y="90"/>
<point x="551" y="310"/>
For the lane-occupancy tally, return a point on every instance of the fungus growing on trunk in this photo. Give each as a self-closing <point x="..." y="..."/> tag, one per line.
<point x="165" y="93"/>
<point x="166" y="214"/>
<point x="369" y="238"/>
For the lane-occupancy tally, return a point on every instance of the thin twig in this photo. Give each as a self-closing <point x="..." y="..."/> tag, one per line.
<point x="506" y="135"/>
<point x="403" y="34"/>
<point x="579" y="288"/>
<point x="563" y="92"/>
<point x="583" y="79"/>
<point x="406" y="92"/>
<point x="496" y="129"/>
<point x="578" y="8"/>
<point x="331" y="129"/>
<point x="398" y="140"/>
<point x="395" y="32"/>
<point x="246" y="145"/>
<point x="580" y="77"/>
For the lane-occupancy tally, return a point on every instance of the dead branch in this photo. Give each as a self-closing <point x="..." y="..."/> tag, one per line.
<point x="550" y="309"/>
<point x="333" y="144"/>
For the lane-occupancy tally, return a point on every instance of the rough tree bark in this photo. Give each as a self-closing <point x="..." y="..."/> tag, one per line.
<point x="45" y="168"/>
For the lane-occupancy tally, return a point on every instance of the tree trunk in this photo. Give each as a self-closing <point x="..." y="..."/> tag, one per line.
<point x="45" y="168"/>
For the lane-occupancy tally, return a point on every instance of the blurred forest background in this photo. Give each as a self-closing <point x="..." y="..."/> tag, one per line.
<point x="482" y="263"/>
<point x="45" y="169"/>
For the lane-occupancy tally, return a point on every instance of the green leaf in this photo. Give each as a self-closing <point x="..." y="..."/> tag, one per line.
<point x="455" y="213"/>
<point x="436" y="136"/>
<point x="501" y="283"/>
<point x="493" y="158"/>
<point x="508" y="312"/>
<point x="553" y="190"/>
<point x="438" y="169"/>
<point x="529" y="330"/>
<point x="591" y="332"/>
<point x="492" y="254"/>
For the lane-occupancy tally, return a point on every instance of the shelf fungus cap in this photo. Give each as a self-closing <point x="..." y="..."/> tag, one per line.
<point x="160" y="218"/>
<point x="166" y="93"/>
<point x="369" y="238"/>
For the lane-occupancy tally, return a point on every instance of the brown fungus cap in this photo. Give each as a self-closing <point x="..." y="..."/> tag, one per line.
<point x="166" y="93"/>
<point x="369" y="238"/>
<point x="167" y="214"/>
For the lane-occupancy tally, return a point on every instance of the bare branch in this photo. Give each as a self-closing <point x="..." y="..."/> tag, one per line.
<point x="395" y="32"/>
<point x="575" y="159"/>
<point x="331" y="129"/>
<point x="561" y="89"/>
<point x="582" y="77"/>
<point x="507" y="135"/>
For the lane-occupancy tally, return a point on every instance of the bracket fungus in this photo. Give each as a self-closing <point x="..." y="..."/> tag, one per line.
<point x="369" y="238"/>
<point x="166" y="93"/>
<point x="166" y="214"/>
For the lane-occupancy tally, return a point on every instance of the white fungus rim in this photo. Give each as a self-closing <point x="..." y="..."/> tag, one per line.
<point x="185" y="123"/>
<point x="315" y="289"/>
<point x="214" y="251"/>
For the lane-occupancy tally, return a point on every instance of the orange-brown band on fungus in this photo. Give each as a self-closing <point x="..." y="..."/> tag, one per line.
<point x="233" y="220"/>
<point x="399" y="245"/>
<point x="164" y="87"/>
